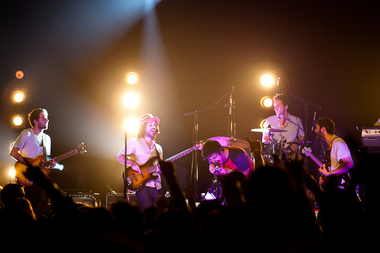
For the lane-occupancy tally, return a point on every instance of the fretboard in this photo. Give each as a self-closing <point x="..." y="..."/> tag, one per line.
<point x="179" y="155"/>
<point x="316" y="160"/>
<point x="62" y="157"/>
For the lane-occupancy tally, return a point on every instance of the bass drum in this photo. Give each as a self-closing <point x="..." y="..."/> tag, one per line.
<point x="270" y="151"/>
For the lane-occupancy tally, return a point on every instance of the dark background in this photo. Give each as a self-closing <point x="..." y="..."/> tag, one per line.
<point x="188" y="54"/>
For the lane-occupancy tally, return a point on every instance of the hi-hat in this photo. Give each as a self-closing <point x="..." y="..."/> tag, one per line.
<point x="228" y="141"/>
<point x="269" y="130"/>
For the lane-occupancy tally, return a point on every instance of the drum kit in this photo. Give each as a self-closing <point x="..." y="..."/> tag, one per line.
<point x="271" y="149"/>
<point x="274" y="148"/>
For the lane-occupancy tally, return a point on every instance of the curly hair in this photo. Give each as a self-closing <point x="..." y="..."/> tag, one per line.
<point x="211" y="147"/>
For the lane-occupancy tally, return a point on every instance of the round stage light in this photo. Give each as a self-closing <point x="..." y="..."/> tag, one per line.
<point x="266" y="102"/>
<point x="17" y="120"/>
<point x="19" y="74"/>
<point x="267" y="80"/>
<point x="12" y="172"/>
<point x="131" y="100"/>
<point x="18" y="96"/>
<point x="131" y="125"/>
<point x="132" y="78"/>
<point x="262" y="123"/>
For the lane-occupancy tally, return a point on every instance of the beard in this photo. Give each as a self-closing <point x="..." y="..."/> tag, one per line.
<point x="43" y="126"/>
<point x="319" y="136"/>
<point x="151" y="134"/>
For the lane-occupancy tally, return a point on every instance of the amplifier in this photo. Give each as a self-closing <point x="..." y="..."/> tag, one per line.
<point x="111" y="198"/>
<point x="84" y="197"/>
<point x="371" y="137"/>
<point x="85" y="200"/>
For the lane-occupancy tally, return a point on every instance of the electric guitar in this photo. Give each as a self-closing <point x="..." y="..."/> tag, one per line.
<point x="21" y="169"/>
<point x="340" y="180"/>
<point x="149" y="170"/>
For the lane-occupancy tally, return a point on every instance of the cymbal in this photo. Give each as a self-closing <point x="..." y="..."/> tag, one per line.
<point x="270" y="130"/>
<point x="228" y="141"/>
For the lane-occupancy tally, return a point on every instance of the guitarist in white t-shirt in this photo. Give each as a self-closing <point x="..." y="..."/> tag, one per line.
<point x="31" y="144"/>
<point x="338" y="155"/>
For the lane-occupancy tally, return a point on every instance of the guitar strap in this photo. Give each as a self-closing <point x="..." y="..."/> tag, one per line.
<point x="329" y="148"/>
<point x="43" y="147"/>
<point x="328" y="152"/>
<point x="158" y="153"/>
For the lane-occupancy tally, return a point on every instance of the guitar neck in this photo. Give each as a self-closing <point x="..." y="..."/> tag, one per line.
<point x="179" y="155"/>
<point x="62" y="157"/>
<point x="315" y="159"/>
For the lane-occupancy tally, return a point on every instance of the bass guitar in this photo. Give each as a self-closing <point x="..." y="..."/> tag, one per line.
<point x="149" y="170"/>
<point x="340" y="181"/>
<point x="21" y="169"/>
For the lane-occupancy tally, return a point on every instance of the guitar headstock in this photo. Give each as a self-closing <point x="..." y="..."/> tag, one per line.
<point x="307" y="151"/>
<point x="82" y="148"/>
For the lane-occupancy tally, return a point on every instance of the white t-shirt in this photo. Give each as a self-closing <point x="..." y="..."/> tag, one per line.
<point x="28" y="145"/>
<point x="138" y="150"/>
<point x="339" y="150"/>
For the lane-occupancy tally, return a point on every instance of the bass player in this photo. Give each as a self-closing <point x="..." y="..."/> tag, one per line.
<point x="139" y="150"/>
<point x="31" y="144"/>
<point x="338" y="154"/>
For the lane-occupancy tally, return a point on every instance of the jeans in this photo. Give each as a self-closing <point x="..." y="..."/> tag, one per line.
<point x="148" y="196"/>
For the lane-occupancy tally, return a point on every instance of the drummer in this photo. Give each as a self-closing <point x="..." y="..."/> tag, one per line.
<point x="292" y="125"/>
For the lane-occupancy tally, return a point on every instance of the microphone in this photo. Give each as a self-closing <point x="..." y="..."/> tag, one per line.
<point x="191" y="113"/>
<point x="230" y="105"/>
<point x="217" y="167"/>
<point x="313" y="125"/>
<point x="278" y="85"/>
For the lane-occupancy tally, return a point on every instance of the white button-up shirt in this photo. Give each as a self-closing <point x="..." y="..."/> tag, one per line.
<point x="138" y="150"/>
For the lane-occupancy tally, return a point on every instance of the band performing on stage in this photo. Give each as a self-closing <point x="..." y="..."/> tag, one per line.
<point x="218" y="126"/>
<point x="283" y="139"/>
<point x="258" y="177"/>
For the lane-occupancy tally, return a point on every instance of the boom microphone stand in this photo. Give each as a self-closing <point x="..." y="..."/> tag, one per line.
<point x="194" y="162"/>
<point x="306" y="106"/>
<point x="232" y="132"/>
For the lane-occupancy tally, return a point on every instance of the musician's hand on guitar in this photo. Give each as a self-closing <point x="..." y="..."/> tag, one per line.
<point x="321" y="180"/>
<point x="52" y="164"/>
<point x="135" y="167"/>
<point x="323" y="170"/>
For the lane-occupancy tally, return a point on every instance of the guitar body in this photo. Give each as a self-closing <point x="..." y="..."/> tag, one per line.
<point x="149" y="171"/>
<point x="21" y="169"/>
<point x="136" y="181"/>
<point x="340" y="181"/>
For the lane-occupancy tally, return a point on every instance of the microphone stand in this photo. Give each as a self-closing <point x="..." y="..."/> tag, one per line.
<point x="125" y="189"/>
<point x="194" y="163"/>
<point x="231" y="115"/>
<point x="306" y="106"/>
<point x="216" y="180"/>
